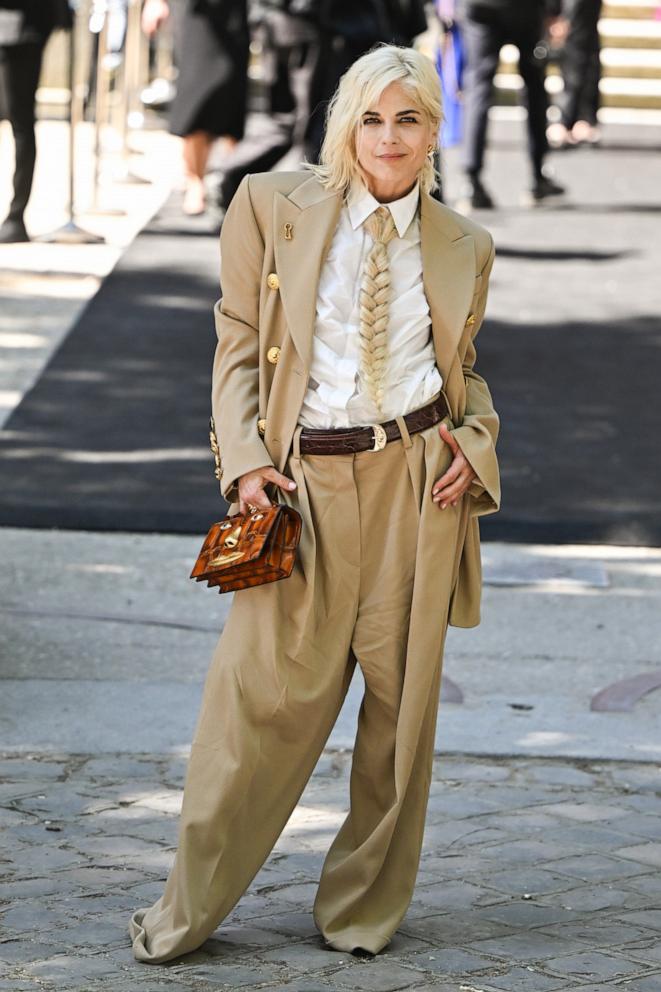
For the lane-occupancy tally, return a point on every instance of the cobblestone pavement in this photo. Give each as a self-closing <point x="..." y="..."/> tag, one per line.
<point x="536" y="875"/>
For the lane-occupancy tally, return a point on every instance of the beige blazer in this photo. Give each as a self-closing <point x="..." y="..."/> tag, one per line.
<point x="274" y="240"/>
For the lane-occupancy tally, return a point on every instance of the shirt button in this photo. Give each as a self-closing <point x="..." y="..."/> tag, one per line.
<point x="273" y="354"/>
<point x="261" y="427"/>
<point x="272" y="281"/>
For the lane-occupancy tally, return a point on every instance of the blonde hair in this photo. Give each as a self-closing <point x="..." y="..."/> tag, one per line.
<point x="359" y="89"/>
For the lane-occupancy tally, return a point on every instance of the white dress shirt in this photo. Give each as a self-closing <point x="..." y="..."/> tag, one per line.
<point x="335" y="396"/>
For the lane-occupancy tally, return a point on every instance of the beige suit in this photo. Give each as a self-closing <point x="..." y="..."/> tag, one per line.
<point x="457" y="255"/>
<point x="380" y="572"/>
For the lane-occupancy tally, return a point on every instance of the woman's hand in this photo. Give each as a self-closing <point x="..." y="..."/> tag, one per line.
<point x="454" y="483"/>
<point x="154" y="13"/>
<point x="557" y="29"/>
<point x="251" y="487"/>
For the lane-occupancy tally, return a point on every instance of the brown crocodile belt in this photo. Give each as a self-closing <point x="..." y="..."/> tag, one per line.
<point x="347" y="440"/>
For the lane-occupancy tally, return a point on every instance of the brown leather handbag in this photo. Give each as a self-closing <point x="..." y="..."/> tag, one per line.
<point x="249" y="549"/>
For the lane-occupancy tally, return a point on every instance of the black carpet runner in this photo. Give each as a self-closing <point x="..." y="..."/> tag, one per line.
<point x="113" y="436"/>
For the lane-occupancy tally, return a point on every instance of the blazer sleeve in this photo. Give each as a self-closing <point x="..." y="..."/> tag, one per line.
<point x="478" y="432"/>
<point x="235" y="381"/>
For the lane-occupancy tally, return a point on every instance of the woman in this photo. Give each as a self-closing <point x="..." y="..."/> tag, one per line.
<point x="211" y="44"/>
<point x="323" y="329"/>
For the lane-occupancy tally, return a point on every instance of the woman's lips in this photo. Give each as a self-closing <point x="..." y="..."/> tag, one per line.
<point x="390" y="156"/>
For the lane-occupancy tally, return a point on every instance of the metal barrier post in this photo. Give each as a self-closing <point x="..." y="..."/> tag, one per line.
<point x="99" y="23"/>
<point x="131" y="89"/>
<point x="70" y="233"/>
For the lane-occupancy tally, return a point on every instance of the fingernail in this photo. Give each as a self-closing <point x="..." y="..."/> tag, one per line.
<point x="292" y="485"/>
<point x="443" y="505"/>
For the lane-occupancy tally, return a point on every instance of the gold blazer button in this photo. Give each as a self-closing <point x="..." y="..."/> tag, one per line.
<point x="261" y="427"/>
<point x="272" y="281"/>
<point x="273" y="354"/>
<point x="470" y="320"/>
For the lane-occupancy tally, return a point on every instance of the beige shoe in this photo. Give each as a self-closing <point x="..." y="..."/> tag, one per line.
<point x="585" y="133"/>
<point x="194" y="203"/>
<point x="558" y="136"/>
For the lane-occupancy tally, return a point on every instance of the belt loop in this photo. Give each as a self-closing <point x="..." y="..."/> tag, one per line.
<point x="404" y="431"/>
<point x="448" y="408"/>
<point x="297" y="441"/>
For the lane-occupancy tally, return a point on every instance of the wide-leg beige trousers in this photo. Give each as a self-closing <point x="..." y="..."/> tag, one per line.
<point x="377" y="564"/>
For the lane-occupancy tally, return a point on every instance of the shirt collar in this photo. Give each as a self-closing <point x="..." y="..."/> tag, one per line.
<point x="361" y="203"/>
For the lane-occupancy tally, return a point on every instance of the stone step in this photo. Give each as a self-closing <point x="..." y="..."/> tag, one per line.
<point x="607" y="115"/>
<point x="630" y="92"/>
<point x="615" y="92"/>
<point x="634" y="9"/>
<point x="622" y="32"/>
<point x="632" y="63"/>
<point x="638" y="9"/>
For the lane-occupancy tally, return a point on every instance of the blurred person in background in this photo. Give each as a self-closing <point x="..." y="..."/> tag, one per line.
<point x="450" y="64"/>
<point x="211" y="48"/>
<point x="287" y="33"/>
<point x="348" y="30"/>
<point x="581" y="72"/>
<point x="25" y="26"/>
<point x="306" y="46"/>
<point x="487" y="26"/>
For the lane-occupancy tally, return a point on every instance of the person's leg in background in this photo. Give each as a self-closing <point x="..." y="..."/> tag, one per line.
<point x="290" y="53"/>
<point x="573" y="71"/>
<point x="196" y="148"/>
<point x="526" y="31"/>
<point x="483" y="40"/>
<point x="20" y="67"/>
<point x="581" y="71"/>
<point x="586" y="126"/>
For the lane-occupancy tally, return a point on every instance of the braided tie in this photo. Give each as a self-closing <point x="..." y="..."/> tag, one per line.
<point x="374" y="299"/>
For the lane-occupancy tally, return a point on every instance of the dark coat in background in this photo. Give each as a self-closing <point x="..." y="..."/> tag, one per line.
<point x="31" y="21"/>
<point x="211" y="46"/>
<point x="349" y="29"/>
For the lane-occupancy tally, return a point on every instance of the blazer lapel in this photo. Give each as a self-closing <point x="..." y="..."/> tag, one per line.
<point x="312" y="213"/>
<point x="448" y="275"/>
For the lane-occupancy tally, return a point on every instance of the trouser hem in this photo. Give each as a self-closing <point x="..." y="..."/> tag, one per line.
<point x="348" y="941"/>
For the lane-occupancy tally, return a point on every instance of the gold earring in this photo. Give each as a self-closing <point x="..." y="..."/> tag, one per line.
<point x="431" y="149"/>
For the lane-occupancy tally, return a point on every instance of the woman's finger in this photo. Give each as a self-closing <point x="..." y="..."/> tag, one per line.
<point x="452" y="496"/>
<point x="458" y="465"/>
<point x="457" y="489"/>
<point x="279" y="479"/>
<point x="256" y="497"/>
<point x="446" y="435"/>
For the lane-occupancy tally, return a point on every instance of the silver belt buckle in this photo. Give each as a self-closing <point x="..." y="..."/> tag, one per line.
<point x="380" y="437"/>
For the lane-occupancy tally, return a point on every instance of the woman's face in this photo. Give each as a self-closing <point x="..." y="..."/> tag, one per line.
<point x="392" y="140"/>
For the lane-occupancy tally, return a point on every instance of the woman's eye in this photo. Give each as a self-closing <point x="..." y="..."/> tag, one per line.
<point x="371" y="120"/>
<point x="408" y="120"/>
